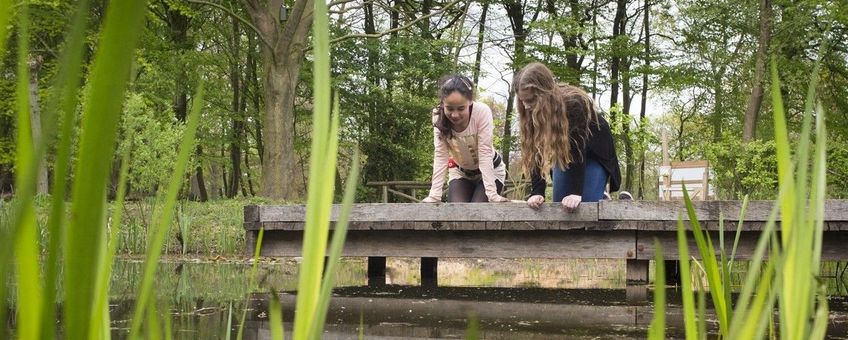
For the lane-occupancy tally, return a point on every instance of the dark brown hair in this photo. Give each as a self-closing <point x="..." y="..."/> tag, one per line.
<point x="448" y="85"/>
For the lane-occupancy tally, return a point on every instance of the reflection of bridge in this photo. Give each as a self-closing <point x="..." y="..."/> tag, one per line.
<point x="606" y="230"/>
<point x="404" y="312"/>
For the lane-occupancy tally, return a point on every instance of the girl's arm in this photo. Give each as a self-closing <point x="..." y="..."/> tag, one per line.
<point x="485" y="151"/>
<point x="440" y="166"/>
<point x="537" y="183"/>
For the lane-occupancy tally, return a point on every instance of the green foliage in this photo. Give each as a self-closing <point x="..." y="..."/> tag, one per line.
<point x="791" y="276"/>
<point x="153" y="141"/>
<point x="743" y="168"/>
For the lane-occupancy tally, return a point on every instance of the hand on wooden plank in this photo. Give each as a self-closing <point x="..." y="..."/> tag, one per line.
<point x="498" y="199"/>
<point x="429" y="199"/>
<point x="571" y="202"/>
<point x="536" y="201"/>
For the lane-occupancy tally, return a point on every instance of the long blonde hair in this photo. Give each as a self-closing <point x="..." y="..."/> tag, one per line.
<point x="561" y="115"/>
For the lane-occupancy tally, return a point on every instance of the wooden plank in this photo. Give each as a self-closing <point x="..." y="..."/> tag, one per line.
<point x="729" y="226"/>
<point x="757" y="211"/>
<point x="670" y="210"/>
<point x="833" y="244"/>
<point x="837" y="226"/>
<point x="250" y="243"/>
<point x="487" y="244"/>
<point x="449" y="212"/>
<point x="637" y="271"/>
<point x="689" y="164"/>
<point x="251" y="213"/>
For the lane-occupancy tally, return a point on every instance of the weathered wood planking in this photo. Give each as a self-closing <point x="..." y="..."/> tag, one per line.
<point x="475" y="244"/>
<point x="453" y="212"/>
<point x="833" y="245"/>
<point x="466" y="225"/>
<point x="641" y="215"/>
<point x="757" y="211"/>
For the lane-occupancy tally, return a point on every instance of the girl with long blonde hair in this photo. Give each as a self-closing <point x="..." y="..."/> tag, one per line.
<point x="563" y="138"/>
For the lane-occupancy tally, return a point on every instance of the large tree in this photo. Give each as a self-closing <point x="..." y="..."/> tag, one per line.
<point x="283" y="46"/>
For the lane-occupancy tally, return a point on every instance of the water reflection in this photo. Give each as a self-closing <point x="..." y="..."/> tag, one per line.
<point x="526" y="299"/>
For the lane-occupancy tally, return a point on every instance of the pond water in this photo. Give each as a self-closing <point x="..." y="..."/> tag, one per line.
<point x="511" y="299"/>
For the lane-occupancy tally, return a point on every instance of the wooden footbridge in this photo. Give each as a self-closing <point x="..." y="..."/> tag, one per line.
<point x="607" y="230"/>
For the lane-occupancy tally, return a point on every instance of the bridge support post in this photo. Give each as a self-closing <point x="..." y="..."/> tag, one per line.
<point x="672" y="272"/>
<point x="429" y="271"/>
<point x="376" y="271"/>
<point x="637" y="271"/>
<point x="250" y="237"/>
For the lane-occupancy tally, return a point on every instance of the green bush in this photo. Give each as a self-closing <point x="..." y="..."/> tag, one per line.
<point x="153" y="142"/>
<point x="744" y="169"/>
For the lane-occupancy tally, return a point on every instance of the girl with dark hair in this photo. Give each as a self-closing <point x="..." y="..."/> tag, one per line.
<point x="462" y="141"/>
<point x="564" y="137"/>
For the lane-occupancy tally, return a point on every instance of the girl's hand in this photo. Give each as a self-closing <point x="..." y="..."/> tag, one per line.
<point x="535" y="201"/>
<point x="429" y="199"/>
<point x="499" y="199"/>
<point x="571" y="202"/>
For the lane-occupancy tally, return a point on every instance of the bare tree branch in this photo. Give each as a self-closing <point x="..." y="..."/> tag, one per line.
<point x="401" y="28"/>
<point x="237" y="17"/>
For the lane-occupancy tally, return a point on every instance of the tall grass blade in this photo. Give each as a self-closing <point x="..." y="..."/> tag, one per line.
<point x="473" y="331"/>
<point x="656" y="331"/>
<point x="229" y="333"/>
<point x="27" y="250"/>
<point x="108" y="82"/>
<point x="252" y="279"/>
<point x="749" y="321"/>
<point x="62" y="103"/>
<point x="322" y="166"/>
<point x="275" y="317"/>
<point x="784" y="159"/>
<point x="751" y="283"/>
<point x="104" y="269"/>
<point x="707" y="251"/>
<point x="154" y="250"/>
<point x="337" y="243"/>
<point x="361" y="326"/>
<point x="686" y="283"/>
<point x="741" y="220"/>
<point x="702" y="309"/>
<point x="154" y="330"/>
<point x="166" y="316"/>
<point x="820" y="320"/>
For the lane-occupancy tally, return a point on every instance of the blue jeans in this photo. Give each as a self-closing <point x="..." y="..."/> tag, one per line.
<point x="594" y="182"/>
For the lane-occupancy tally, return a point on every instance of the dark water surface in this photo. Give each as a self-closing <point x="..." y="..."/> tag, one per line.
<point x="512" y="299"/>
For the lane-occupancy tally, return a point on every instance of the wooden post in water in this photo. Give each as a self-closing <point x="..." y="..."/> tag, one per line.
<point x="637" y="271"/>
<point x="429" y="271"/>
<point x="376" y="271"/>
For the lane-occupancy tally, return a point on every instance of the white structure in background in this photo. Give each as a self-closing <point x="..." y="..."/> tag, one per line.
<point x="673" y="175"/>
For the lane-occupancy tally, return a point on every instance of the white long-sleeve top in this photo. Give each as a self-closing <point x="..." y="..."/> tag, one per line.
<point x="470" y="149"/>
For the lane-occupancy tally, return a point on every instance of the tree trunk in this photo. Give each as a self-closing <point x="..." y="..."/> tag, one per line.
<point x="481" y="35"/>
<point x="625" y="120"/>
<point x="247" y="171"/>
<point x="749" y="128"/>
<point x="647" y="57"/>
<point x="594" y="50"/>
<point x="282" y="56"/>
<point x="718" y="108"/>
<point x="42" y="187"/>
<point x="515" y="11"/>
<point x="617" y="31"/>
<point x="238" y="120"/>
<point x="203" y="196"/>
